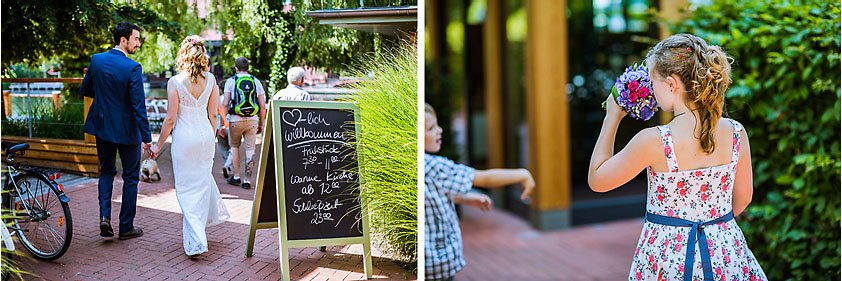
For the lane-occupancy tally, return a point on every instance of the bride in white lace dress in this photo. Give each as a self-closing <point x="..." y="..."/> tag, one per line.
<point x="193" y="97"/>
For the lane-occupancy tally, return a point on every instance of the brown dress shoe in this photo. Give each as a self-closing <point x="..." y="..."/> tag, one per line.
<point x="105" y="227"/>
<point x="135" y="232"/>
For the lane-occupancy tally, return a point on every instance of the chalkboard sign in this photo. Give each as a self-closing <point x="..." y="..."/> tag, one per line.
<point x="307" y="179"/>
<point x="320" y="177"/>
<point x="269" y="203"/>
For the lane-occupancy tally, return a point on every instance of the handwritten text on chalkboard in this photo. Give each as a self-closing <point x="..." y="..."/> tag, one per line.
<point x="318" y="169"/>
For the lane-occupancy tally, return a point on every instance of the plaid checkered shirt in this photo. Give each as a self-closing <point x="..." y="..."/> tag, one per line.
<point x="442" y="236"/>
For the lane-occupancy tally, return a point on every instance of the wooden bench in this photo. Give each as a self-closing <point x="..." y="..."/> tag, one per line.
<point x="73" y="156"/>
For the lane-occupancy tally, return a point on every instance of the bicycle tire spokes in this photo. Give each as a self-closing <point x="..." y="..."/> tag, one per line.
<point x="34" y="193"/>
<point x="36" y="198"/>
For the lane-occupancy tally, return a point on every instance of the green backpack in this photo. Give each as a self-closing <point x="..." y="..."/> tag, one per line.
<point x="244" y="101"/>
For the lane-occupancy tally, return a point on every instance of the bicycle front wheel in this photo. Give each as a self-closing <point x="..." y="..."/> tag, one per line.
<point x="41" y="220"/>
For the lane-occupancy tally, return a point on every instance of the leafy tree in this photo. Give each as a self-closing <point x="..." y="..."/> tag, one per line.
<point x="70" y="30"/>
<point x="262" y="33"/>
<point x="159" y="49"/>
<point x="276" y="37"/>
<point x="335" y="47"/>
<point x="787" y="94"/>
<point x="273" y="36"/>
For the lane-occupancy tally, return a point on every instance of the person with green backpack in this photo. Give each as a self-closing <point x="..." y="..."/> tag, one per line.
<point x="245" y="101"/>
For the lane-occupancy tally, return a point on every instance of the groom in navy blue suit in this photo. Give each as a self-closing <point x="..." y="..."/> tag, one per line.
<point x="117" y="118"/>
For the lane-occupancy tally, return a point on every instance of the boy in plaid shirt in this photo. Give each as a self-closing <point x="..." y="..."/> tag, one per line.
<point x="447" y="183"/>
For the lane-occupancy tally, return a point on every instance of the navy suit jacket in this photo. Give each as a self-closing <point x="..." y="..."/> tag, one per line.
<point x="118" y="112"/>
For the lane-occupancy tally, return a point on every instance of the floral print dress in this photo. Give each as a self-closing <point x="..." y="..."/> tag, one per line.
<point x="699" y="195"/>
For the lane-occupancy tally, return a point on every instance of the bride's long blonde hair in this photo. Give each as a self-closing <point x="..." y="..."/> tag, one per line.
<point x="192" y="57"/>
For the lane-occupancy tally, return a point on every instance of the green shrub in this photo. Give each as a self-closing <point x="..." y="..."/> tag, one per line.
<point x="64" y="123"/>
<point x="387" y="148"/>
<point x="786" y="92"/>
<point x="22" y="71"/>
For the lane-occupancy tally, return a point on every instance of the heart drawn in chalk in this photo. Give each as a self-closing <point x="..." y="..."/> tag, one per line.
<point x="294" y="115"/>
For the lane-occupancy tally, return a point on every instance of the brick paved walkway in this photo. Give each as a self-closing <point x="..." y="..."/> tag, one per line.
<point x="158" y="254"/>
<point x="500" y="246"/>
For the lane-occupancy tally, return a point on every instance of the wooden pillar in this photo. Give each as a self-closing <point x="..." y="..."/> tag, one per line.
<point x="56" y="98"/>
<point x="431" y="28"/>
<point x="548" y="112"/>
<point x="493" y="58"/>
<point x="88" y="102"/>
<point x="670" y="10"/>
<point x="7" y="103"/>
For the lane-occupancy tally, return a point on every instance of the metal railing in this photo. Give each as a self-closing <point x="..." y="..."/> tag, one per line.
<point x="30" y="92"/>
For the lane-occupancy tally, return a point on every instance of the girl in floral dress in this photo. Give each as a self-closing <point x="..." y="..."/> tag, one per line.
<point x="698" y="167"/>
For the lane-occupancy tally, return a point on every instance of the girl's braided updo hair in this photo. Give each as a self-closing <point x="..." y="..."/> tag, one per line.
<point x="705" y="71"/>
<point x="192" y="57"/>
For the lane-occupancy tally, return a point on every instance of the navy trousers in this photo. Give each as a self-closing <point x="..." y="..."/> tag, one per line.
<point x="130" y="158"/>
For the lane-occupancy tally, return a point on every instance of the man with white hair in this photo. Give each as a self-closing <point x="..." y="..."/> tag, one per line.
<point x="293" y="91"/>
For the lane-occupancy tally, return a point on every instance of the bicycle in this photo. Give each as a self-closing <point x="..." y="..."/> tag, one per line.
<point x="34" y="206"/>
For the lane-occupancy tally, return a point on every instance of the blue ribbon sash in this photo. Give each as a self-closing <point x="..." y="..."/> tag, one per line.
<point x="696" y="230"/>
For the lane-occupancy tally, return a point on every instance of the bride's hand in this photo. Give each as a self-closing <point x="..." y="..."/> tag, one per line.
<point x="155" y="151"/>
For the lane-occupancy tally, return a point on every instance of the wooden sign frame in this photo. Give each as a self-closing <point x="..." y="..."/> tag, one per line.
<point x="272" y="133"/>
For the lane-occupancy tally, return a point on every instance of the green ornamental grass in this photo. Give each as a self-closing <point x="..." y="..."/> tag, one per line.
<point x="64" y="123"/>
<point x="387" y="148"/>
<point x="9" y="266"/>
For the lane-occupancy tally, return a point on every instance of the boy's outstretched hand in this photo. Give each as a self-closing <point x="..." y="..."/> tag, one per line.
<point x="502" y="177"/>
<point x="528" y="184"/>
<point x="479" y="200"/>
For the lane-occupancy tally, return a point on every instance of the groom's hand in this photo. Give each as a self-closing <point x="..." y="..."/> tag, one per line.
<point x="147" y="149"/>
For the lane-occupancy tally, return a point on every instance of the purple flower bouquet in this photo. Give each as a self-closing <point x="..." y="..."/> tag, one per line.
<point x="633" y="93"/>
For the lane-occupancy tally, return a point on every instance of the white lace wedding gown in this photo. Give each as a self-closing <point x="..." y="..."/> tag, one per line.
<point x="192" y="161"/>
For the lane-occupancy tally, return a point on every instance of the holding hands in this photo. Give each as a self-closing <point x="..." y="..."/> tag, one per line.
<point x="154" y="151"/>
<point x="147" y="149"/>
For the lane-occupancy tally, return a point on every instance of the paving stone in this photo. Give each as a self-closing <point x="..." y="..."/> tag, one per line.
<point x="501" y="246"/>
<point x="158" y="254"/>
